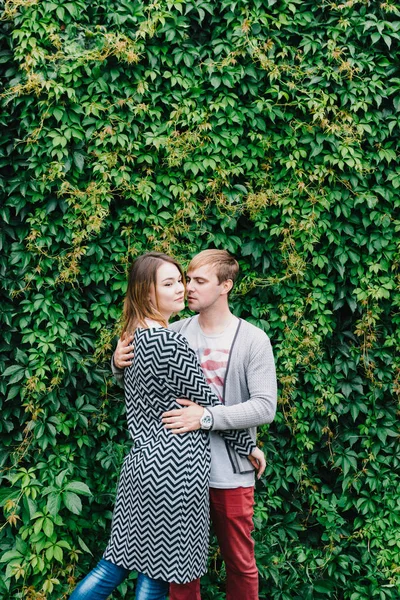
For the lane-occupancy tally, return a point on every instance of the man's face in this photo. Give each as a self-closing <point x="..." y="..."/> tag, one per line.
<point x="203" y="289"/>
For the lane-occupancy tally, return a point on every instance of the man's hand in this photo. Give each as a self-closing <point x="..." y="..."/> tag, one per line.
<point x="258" y="461"/>
<point x="123" y="352"/>
<point x="182" y="420"/>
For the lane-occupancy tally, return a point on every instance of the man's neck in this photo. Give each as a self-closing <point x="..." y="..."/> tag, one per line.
<point x="215" y="319"/>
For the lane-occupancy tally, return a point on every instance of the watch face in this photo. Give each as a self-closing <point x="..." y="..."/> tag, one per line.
<point x="206" y="422"/>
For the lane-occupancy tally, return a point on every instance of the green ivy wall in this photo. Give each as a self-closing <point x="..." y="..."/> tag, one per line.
<point x="269" y="128"/>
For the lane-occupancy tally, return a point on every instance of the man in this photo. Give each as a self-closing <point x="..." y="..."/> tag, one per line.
<point x="238" y="364"/>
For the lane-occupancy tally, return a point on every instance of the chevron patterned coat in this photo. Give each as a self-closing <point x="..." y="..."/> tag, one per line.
<point x="161" y="517"/>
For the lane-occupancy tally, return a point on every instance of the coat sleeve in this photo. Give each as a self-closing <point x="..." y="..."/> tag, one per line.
<point x="260" y="408"/>
<point x="184" y="375"/>
<point x="119" y="373"/>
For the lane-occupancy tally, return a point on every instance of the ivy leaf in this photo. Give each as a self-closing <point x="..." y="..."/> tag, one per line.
<point x="12" y="370"/>
<point x="72" y="502"/>
<point x="58" y="113"/>
<point x="84" y="546"/>
<point x="11" y="555"/>
<point x="79" y="487"/>
<point x="48" y="527"/>
<point x="53" y="503"/>
<point x="79" y="160"/>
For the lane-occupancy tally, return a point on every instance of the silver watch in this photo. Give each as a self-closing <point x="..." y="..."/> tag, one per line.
<point x="206" y="420"/>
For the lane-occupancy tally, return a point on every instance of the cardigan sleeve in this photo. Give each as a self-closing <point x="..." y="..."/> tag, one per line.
<point x="186" y="378"/>
<point x="117" y="372"/>
<point x="260" y="408"/>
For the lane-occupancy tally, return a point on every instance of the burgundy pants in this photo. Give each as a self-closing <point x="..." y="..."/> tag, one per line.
<point x="232" y="519"/>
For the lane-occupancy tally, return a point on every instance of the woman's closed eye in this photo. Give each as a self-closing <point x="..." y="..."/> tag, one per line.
<point x="172" y="283"/>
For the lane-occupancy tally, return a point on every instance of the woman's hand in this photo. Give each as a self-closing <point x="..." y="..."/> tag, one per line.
<point x="257" y="459"/>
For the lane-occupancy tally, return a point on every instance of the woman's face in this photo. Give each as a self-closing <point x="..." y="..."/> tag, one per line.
<point x="170" y="297"/>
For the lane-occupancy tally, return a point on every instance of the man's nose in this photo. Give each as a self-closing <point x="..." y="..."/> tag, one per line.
<point x="189" y="286"/>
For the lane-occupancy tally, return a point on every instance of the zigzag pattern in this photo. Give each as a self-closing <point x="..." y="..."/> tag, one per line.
<point x="161" y="517"/>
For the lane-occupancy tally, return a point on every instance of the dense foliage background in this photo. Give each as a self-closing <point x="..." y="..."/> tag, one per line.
<point x="269" y="128"/>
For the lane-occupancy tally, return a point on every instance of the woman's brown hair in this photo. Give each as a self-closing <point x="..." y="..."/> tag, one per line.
<point x="142" y="276"/>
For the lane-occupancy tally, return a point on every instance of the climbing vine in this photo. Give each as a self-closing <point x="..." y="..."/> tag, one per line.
<point x="269" y="128"/>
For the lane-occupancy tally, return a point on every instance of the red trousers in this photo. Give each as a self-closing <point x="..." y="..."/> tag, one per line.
<point x="232" y="519"/>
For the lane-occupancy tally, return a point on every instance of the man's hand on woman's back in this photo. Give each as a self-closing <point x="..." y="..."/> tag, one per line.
<point x="123" y="354"/>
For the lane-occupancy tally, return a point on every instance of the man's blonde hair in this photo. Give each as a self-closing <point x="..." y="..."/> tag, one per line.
<point x="226" y="267"/>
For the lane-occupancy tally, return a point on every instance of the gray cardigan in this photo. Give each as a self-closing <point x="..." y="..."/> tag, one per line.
<point x="250" y="389"/>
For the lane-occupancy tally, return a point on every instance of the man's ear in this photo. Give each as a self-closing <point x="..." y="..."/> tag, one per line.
<point x="227" y="285"/>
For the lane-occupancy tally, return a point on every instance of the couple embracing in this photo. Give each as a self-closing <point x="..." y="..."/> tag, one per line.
<point x="195" y="390"/>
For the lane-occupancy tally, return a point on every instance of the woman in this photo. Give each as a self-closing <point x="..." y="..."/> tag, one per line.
<point x="160" y="522"/>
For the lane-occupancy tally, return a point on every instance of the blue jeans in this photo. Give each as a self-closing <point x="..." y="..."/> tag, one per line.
<point x="105" y="577"/>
